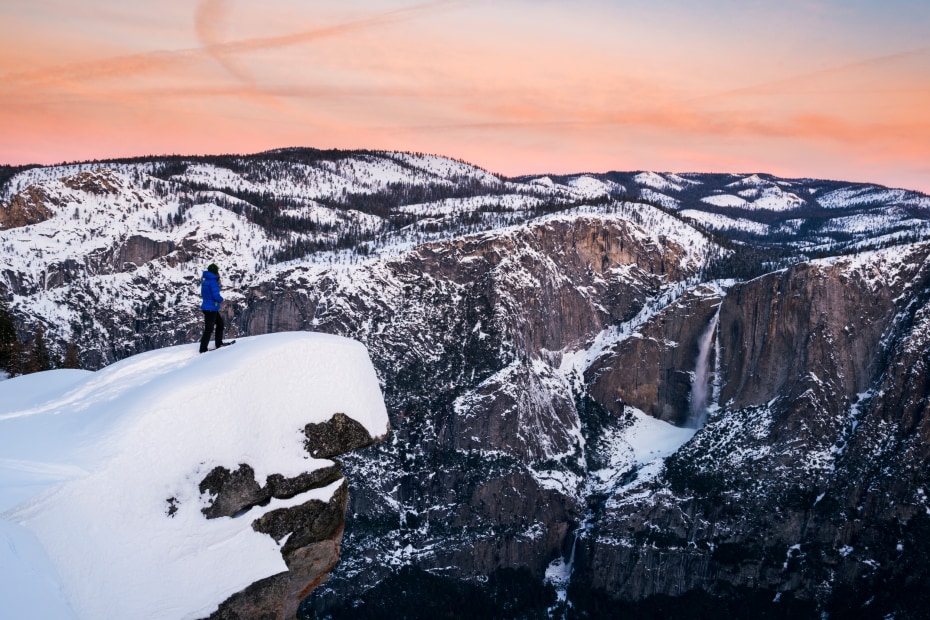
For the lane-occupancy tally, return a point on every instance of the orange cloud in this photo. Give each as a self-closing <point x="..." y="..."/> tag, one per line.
<point x="496" y="83"/>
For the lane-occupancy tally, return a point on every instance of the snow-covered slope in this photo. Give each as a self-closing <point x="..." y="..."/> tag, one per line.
<point x="806" y="213"/>
<point x="100" y="471"/>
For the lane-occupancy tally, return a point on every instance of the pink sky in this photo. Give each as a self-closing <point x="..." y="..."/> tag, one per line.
<point x="812" y="88"/>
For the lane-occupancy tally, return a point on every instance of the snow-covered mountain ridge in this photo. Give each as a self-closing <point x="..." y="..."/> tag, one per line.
<point x="537" y="341"/>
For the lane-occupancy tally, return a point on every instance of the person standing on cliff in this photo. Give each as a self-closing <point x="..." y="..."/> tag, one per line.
<point x="210" y="292"/>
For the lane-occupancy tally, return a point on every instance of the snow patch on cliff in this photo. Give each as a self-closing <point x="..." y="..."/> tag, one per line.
<point x="638" y="451"/>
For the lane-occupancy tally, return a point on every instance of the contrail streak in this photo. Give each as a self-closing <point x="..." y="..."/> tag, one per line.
<point x="134" y="64"/>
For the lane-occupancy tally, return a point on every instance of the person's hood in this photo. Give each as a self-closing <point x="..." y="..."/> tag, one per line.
<point x="209" y="275"/>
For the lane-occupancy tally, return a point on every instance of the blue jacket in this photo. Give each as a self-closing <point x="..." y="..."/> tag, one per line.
<point x="210" y="291"/>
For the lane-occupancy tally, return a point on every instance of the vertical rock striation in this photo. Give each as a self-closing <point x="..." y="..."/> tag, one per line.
<point x="653" y="369"/>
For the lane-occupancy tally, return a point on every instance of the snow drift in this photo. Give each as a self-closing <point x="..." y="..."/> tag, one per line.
<point x="99" y="472"/>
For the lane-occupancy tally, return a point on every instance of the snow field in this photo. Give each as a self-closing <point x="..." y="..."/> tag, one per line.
<point x="642" y="446"/>
<point x="657" y="181"/>
<point x="724" y="200"/>
<point x="722" y="222"/>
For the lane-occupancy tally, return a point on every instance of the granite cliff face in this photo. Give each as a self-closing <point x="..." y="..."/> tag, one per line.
<point x="28" y="207"/>
<point x="528" y="335"/>
<point x="653" y="370"/>
<point x="803" y="483"/>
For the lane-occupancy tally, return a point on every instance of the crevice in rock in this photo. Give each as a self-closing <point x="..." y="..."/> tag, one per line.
<point x="236" y="492"/>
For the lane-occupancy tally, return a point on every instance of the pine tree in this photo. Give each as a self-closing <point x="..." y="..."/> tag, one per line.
<point x="72" y="356"/>
<point x="39" y="356"/>
<point x="17" y="359"/>
<point x="8" y="339"/>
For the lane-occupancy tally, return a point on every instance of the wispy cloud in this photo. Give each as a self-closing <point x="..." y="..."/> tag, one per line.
<point x="371" y="21"/>
<point x="683" y="121"/>
<point x="818" y="78"/>
<point x="209" y="16"/>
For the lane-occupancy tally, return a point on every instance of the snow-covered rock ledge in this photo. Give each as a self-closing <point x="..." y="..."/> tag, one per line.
<point x="171" y="483"/>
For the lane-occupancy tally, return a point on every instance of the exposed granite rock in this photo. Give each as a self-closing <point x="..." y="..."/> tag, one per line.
<point x="308" y="567"/>
<point x="653" y="369"/>
<point x="138" y="250"/>
<point x="313" y="529"/>
<point x="338" y="435"/>
<point x="99" y="182"/>
<point x="555" y="283"/>
<point x="64" y="273"/>
<point x="237" y="491"/>
<point x="776" y="330"/>
<point x="311" y="522"/>
<point x="233" y="491"/>
<point x="805" y="481"/>
<point x="314" y="534"/>
<point x="260" y="601"/>
<point x="283" y="488"/>
<point x="537" y="521"/>
<point x="30" y="206"/>
<point x="524" y="410"/>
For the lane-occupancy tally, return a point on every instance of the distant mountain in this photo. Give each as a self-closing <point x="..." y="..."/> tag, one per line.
<point x="808" y="215"/>
<point x="641" y="392"/>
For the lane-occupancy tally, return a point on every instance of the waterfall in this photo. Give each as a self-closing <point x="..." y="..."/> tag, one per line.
<point x="559" y="575"/>
<point x="571" y="558"/>
<point x="700" y="386"/>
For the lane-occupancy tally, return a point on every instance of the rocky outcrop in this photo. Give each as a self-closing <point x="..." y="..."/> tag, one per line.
<point x="36" y="204"/>
<point x="30" y="206"/>
<point x="138" y="250"/>
<point x="310" y="533"/>
<point x="260" y="601"/>
<point x="64" y="273"/>
<point x="234" y="492"/>
<point x="336" y="436"/>
<point x="314" y="534"/>
<point x="99" y="182"/>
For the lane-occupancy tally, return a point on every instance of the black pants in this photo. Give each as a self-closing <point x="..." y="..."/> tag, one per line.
<point x="211" y="318"/>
